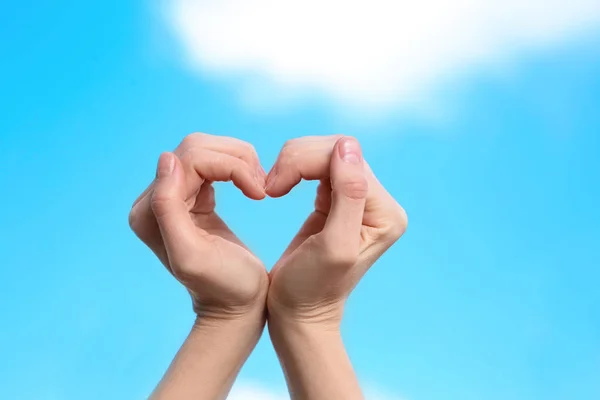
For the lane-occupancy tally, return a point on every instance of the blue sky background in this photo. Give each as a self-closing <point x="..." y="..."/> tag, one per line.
<point x="492" y="293"/>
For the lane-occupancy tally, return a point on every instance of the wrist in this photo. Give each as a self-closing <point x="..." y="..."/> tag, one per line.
<point x="219" y="310"/>
<point x="292" y="334"/>
<point x="211" y="357"/>
<point x="211" y="319"/>
<point x="319" y="316"/>
<point x="314" y="360"/>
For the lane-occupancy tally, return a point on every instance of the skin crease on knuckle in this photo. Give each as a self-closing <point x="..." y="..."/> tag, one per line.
<point x="160" y="205"/>
<point x="250" y="151"/>
<point x="287" y="156"/>
<point x="355" y="188"/>
<point x="232" y="290"/>
<point x="187" y="155"/>
<point x="246" y="151"/>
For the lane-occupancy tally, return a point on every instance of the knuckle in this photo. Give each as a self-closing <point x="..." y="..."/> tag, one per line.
<point x="228" y="169"/>
<point x="249" y="148"/>
<point x="287" y="155"/>
<point x="222" y="164"/>
<point x="399" y="223"/>
<point x="187" y="154"/>
<point x="193" y="139"/>
<point x="159" y="204"/>
<point x="356" y="188"/>
<point x="336" y="254"/>
<point x="250" y="152"/>
<point x="291" y="142"/>
<point x="134" y="218"/>
<point x="187" y="157"/>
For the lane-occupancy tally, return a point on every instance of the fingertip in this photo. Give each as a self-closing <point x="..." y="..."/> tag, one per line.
<point x="170" y="176"/>
<point x="349" y="150"/>
<point x="259" y="194"/>
<point x="166" y="165"/>
<point x="275" y="194"/>
<point x="269" y="191"/>
<point x="270" y="182"/>
<point x="261" y="182"/>
<point x="262" y="174"/>
<point x="276" y="188"/>
<point x="252" y="187"/>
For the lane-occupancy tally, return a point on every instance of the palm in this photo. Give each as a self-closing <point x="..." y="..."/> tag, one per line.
<point x="175" y="217"/>
<point x="298" y="275"/>
<point x="228" y="271"/>
<point x="316" y="221"/>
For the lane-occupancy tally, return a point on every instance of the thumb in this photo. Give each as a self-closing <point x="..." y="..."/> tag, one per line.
<point x="170" y="208"/>
<point x="349" y="192"/>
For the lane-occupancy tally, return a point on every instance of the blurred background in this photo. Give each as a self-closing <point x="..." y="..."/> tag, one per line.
<point x="481" y="117"/>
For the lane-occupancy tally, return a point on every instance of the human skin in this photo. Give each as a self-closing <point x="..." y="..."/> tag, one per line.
<point x="354" y="222"/>
<point x="175" y="217"/>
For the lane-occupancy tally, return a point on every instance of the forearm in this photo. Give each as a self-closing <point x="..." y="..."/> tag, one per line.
<point x="207" y="364"/>
<point x="315" y="362"/>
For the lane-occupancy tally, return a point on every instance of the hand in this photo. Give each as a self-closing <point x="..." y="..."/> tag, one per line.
<point x="355" y="221"/>
<point x="175" y="217"/>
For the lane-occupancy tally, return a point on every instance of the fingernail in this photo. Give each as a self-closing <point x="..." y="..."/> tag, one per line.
<point x="350" y="150"/>
<point x="271" y="180"/>
<point x="261" y="175"/>
<point x="166" y="164"/>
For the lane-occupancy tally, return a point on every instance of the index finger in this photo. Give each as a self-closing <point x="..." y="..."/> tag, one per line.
<point x="309" y="158"/>
<point x="305" y="158"/>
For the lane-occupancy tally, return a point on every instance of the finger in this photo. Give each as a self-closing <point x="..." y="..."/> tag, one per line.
<point x="203" y="165"/>
<point x="145" y="225"/>
<point x="142" y="219"/>
<point x="205" y="200"/>
<point x="144" y="194"/>
<point x="310" y="159"/>
<point x="305" y="158"/>
<point x="323" y="199"/>
<point x="147" y="230"/>
<point x="222" y="144"/>
<point x="349" y="193"/>
<point x="385" y="211"/>
<point x="171" y="211"/>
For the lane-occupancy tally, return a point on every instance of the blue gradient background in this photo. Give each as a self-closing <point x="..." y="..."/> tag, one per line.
<point x="492" y="293"/>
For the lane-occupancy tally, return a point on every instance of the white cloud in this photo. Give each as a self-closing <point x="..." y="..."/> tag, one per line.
<point x="245" y="390"/>
<point x="373" y="54"/>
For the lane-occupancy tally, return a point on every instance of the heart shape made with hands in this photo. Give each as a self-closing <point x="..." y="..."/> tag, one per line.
<point x="355" y="219"/>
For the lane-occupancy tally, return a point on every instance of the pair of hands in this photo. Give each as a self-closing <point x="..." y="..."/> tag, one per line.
<point x="354" y="222"/>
